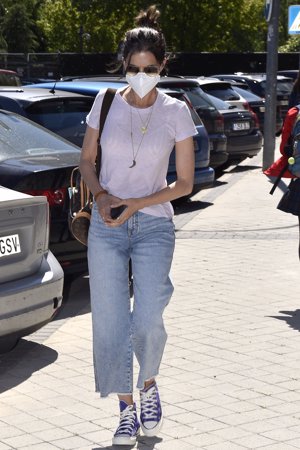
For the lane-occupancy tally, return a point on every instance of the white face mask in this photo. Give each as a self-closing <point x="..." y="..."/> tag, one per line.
<point x="142" y="83"/>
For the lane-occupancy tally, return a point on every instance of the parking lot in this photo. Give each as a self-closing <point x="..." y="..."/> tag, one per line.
<point x="229" y="377"/>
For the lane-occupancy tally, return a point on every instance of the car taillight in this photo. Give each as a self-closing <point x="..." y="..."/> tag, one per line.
<point x="55" y="197"/>
<point x="220" y="124"/>
<point x="246" y="106"/>
<point x="255" y="118"/>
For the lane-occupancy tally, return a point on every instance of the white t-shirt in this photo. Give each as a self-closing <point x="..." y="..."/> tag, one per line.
<point x="170" y="122"/>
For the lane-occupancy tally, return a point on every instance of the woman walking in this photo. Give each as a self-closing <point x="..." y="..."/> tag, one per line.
<point x="140" y="131"/>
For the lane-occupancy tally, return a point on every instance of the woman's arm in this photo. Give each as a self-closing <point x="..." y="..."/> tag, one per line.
<point x="88" y="158"/>
<point x="88" y="173"/>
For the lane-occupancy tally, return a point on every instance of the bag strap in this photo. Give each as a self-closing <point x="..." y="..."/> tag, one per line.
<point x="278" y="179"/>
<point x="106" y="104"/>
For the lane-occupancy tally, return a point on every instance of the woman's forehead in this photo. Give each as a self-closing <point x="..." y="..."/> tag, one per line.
<point x="143" y="59"/>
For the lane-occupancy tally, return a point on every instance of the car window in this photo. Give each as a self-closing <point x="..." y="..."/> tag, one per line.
<point x="19" y="136"/>
<point x="220" y="104"/>
<point x="197" y="97"/>
<point x="66" y="117"/>
<point x="248" y="95"/>
<point x="284" y="87"/>
<point x="222" y="92"/>
<point x="9" y="79"/>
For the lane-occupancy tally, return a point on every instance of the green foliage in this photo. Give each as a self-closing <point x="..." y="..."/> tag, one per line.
<point x="19" y="32"/>
<point x="292" y="45"/>
<point x="100" y="25"/>
<point x="17" y="29"/>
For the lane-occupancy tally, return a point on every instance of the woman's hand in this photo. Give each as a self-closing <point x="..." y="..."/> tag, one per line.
<point x="104" y="203"/>
<point x="132" y="205"/>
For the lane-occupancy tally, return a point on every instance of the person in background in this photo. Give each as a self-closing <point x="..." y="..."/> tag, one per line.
<point x="290" y="202"/>
<point x="294" y="98"/>
<point x="141" y="129"/>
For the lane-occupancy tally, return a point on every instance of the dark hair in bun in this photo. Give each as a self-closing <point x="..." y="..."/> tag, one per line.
<point x="148" y="18"/>
<point x="147" y="37"/>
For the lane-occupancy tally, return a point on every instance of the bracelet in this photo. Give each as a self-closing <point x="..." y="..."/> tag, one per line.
<point x="99" y="193"/>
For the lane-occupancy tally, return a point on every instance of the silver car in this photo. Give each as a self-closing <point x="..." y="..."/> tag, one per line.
<point x="31" y="279"/>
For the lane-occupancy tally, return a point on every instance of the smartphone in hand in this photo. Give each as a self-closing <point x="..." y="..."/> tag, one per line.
<point x="116" y="212"/>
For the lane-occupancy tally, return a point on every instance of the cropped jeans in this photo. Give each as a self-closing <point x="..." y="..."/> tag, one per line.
<point x="122" y="329"/>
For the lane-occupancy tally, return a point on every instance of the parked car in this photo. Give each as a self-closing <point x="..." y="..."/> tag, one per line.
<point x="244" y="139"/>
<point x="204" y="173"/>
<point x="31" y="279"/>
<point x="257" y="84"/>
<point x="247" y="99"/>
<point x="61" y="112"/>
<point x="9" y="78"/>
<point x="290" y="73"/>
<point x="222" y="90"/>
<point x="212" y="119"/>
<point x="38" y="162"/>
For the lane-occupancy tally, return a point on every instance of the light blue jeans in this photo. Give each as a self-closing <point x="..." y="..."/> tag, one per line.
<point x="119" y="329"/>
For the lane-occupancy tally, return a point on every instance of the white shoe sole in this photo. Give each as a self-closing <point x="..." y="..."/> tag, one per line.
<point x="153" y="432"/>
<point x="125" y="440"/>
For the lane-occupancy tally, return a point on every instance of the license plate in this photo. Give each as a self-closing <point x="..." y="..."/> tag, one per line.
<point x="10" y="245"/>
<point x="262" y="109"/>
<point x="284" y="102"/>
<point x="241" y="126"/>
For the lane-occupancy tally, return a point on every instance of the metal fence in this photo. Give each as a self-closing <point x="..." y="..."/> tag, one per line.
<point x="37" y="66"/>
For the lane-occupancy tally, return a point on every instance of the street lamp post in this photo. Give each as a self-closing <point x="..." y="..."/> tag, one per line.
<point x="272" y="16"/>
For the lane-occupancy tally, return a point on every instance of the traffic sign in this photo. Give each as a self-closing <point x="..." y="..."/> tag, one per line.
<point x="268" y="9"/>
<point x="294" y="19"/>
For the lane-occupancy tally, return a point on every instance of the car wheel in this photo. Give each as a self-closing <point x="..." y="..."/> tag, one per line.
<point x="8" y="343"/>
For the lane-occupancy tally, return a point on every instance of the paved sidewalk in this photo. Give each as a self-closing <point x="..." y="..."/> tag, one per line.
<point x="230" y="374"/>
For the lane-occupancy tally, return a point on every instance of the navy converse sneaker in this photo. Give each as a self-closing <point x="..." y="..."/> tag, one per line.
<point x="151" y="414"/>
<point x="129" y="427"/>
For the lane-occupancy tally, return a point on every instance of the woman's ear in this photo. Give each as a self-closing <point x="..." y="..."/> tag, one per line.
<point x="124" y="65"/>
<point x="163" y="64"/>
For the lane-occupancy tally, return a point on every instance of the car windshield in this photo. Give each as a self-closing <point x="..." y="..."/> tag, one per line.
<point x="223" y="92"/>
<point x="219" y="104"/>
<point x="20" y="137"/>
<point x="64" y="116"/>
<point x="284" y="87"/>
<point x="9" y="79"/>
<point x="197" y="97"/>
<point x="247" y="95"/>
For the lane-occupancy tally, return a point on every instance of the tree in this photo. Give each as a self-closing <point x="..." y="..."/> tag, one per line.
<point x="16" y="27"/>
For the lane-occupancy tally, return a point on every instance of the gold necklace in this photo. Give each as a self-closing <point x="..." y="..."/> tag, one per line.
<point x="144" y="127"/>
<point x="134" y="153"/>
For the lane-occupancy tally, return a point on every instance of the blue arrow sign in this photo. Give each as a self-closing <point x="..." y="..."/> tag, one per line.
<point x="294" y="19"/>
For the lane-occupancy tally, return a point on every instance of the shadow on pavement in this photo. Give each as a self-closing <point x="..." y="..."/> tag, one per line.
<point x="191" y="206"/>
<point x="292" y="318"/>
<point x="76" y="297"/>
<point x="19" y="364"/>
<point x="239" y="169"/>
<point x="143" y="443"/>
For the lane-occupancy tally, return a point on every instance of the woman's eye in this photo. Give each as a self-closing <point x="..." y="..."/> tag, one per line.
<point x="151" y="70"/>
<point x="132" y="70"/>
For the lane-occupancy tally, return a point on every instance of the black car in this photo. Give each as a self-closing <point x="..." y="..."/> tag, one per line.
<point x="257" y="84"/>
<point x="257" y="105"/>
<point x="38" y="162"/>
<point x="204" y="174"/>
<point x="63" y="113"/>
<point x="244" y="139"/>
